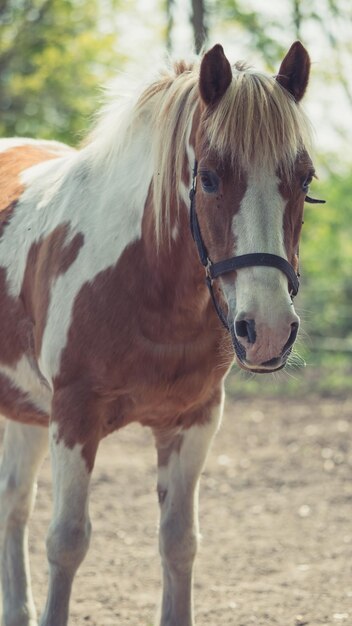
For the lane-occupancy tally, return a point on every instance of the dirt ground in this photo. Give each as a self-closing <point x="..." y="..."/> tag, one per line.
<point x="275" y="513"/>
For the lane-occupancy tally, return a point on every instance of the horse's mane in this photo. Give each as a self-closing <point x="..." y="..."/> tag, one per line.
<point x="255" y="122"/>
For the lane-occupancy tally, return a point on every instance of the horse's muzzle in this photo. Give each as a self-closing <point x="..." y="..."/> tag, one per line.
<point x="273" y="364"/>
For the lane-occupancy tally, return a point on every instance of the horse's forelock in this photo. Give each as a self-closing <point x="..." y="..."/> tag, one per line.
<point x="257" y="122"/>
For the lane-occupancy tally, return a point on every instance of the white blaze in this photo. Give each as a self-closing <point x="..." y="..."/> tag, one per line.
<point x="258" y="227"/>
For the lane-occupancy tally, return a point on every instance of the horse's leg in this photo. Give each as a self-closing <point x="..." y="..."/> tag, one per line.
<point x="180" y="462"/>
<point x="24" y="448"/>
<point x="70" y="528"/>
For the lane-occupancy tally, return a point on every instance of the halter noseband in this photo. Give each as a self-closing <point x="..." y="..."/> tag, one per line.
<point x="214" y="270"/>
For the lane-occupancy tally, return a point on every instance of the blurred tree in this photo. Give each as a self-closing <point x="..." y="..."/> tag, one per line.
<point x="198" y="21"/>
<point x="169" y="23"/>
<point x="197" y="17"/>
<point x="52" y="56"/>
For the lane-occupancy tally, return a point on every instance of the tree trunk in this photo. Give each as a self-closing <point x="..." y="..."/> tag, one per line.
<point x="169" y="24"/>
<point x="297" y="18"/>
<point x="200" y="31"/>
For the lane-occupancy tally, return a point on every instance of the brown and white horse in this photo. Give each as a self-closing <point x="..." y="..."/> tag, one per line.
<point x="105" y="317"/>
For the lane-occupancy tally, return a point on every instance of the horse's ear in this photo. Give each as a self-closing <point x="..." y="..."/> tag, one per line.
<point x="215" y="75"/>
<point x="294" y="71"/>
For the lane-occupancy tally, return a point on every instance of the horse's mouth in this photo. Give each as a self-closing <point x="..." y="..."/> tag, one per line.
<point x="259" y="370"/>
<point x="268" y="367"/>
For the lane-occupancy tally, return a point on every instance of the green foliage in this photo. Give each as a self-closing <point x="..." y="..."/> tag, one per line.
<point x="326" y="256"/>
<point x="52" y="58"/>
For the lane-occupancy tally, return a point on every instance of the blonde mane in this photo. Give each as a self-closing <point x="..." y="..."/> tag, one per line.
<point x="255" y="122"/>
<point x="175" y="98"/>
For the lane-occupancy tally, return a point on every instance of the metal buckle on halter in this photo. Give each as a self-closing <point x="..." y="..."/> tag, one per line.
<point x="207" y="268"/>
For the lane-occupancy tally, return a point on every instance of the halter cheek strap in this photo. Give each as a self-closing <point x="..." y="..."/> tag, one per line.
<point x="214" y="270"/>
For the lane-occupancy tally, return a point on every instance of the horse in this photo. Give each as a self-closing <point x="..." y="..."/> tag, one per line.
<point x="134" y="271"/>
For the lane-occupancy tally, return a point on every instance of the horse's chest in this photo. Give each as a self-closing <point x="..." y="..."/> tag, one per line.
<point x="163" y="392"/>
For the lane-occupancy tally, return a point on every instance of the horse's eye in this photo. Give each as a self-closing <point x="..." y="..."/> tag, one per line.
<point x="210" y="181"/>
<point x="306" y="183"/>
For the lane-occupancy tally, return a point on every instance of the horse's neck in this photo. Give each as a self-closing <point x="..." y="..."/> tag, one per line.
<point x="110" y="201"/>
<point x="174" y="275"/>
<point x="107" y="197"/>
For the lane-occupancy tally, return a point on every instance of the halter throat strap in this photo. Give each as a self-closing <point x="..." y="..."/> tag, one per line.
<point x="255" y="259"/>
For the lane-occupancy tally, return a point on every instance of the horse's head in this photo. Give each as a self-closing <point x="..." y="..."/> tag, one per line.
<point x="253" y="174"/>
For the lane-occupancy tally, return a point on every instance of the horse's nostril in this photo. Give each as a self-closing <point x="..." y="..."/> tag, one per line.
<point x="294" y="331"/>
<point x="292" y="337"/>
<point x="246" y="329"/>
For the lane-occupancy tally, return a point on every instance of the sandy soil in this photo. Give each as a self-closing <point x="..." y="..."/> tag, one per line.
<point x="276" y="520"/>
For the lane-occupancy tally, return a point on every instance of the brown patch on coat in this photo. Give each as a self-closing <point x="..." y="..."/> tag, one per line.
<point x="47" y="259"/>
<point x="14" y="327"/>
<point x="23" y="319"/>
<point x="12" y="163"/>
<point x="77" y="411"/>
<point x="15" y="404"/>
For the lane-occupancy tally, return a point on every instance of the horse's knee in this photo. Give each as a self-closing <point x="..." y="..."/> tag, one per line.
<point x="15" y="500"/>
<point x="67" y="543"/>
<point x="178" y="544"/>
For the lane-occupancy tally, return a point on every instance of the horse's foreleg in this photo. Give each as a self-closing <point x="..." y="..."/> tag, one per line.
<point x="180" y="462"/>
<point x="69" y="532"/>
<point x="24" y="448"/>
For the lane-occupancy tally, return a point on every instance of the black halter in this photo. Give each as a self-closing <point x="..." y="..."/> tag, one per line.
<point x="214" y="270"/>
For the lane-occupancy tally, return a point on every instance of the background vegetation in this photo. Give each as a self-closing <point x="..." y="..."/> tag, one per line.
<point x="55" y="55"/>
